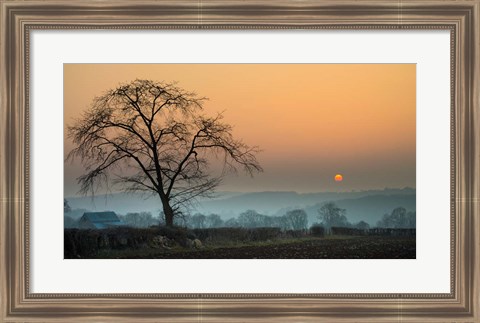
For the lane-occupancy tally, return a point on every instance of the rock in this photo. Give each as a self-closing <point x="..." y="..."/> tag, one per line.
<point x="162" y="242"/>
<point x="189" y="243"/>
<point x="197" y="244"/>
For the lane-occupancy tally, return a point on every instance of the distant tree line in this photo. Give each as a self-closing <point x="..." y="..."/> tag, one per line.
<point x="139" y="219"/>
<point x="329" y="215"/>
<point x="291" y="220"/>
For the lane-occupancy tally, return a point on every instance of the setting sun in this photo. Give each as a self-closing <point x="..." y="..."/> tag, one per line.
<point x="375" y="103"/>
<point x="338" y="178"/>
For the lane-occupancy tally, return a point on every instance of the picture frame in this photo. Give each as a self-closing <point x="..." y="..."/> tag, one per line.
<point x="18" y="18"/>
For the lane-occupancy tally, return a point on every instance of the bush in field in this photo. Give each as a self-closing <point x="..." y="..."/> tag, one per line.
<point x="317" y="230"/>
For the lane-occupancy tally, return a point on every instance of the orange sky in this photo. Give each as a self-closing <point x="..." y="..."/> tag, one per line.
<point x="312" y="121"/>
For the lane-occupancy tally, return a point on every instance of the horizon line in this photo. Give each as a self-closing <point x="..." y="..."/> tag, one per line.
<point x="260" y="191"/>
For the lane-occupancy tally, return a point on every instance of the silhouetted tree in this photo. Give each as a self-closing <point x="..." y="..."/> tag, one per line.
<point x="197" y="221"/>
<point x="213" y="221"/>
<point x="399" y="218"/>
<point x="362" y="225"/>
<point x="298" y="219"/>
<point x="251" y="219"/>
<point x="332" y="216"/>
<point x="232" y="223"/>
<point x="281" y="222"/>
<point x="155" y="135"/>
<point x="140" y="220"/>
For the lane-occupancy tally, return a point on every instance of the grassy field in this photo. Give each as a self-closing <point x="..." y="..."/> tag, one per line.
<point x="328" y="247"/>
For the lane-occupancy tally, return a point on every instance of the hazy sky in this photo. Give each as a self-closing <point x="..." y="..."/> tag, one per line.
<point x="311" y="121"/>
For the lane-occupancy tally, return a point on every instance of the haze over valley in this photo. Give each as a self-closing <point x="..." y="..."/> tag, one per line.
<point x="368" y="206"/>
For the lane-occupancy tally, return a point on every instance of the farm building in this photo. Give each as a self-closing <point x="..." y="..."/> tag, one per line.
<point x="100" y="220"/>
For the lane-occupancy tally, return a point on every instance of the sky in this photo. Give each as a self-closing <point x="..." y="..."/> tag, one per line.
<point x="311" y="121"/>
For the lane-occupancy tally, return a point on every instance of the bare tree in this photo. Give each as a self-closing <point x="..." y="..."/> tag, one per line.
<point x="362" y="225"/>
<point x="198" y="221"/>
<point x="332" y="216"/>
<point x="214" y="221"/>
<point x="399" y="218"/>
<point x="140" y="220"/>
<point x="251" y="219"/>
<point x="152" y="137"/>
<point x="298" y="219"/>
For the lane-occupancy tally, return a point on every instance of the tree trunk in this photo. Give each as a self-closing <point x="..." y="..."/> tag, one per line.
<point x="168" y="212"/>
<point x="167" y="209"/>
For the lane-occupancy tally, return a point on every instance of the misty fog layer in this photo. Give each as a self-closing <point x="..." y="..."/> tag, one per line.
<point x="363" y="206"/>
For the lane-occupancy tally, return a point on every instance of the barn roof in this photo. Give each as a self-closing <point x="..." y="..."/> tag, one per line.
<point x="102" y="220"/>
<point x="107" y="216"/>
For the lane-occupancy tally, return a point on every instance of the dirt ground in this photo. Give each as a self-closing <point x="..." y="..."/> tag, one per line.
<point x="371" y="247"/>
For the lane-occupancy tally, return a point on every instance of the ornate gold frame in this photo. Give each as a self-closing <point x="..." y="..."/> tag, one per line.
<point x="18" y="18"/>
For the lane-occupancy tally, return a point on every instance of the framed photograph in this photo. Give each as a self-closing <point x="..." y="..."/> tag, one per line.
<point x="239" y="161"/>
<point x="350" y="201"/>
